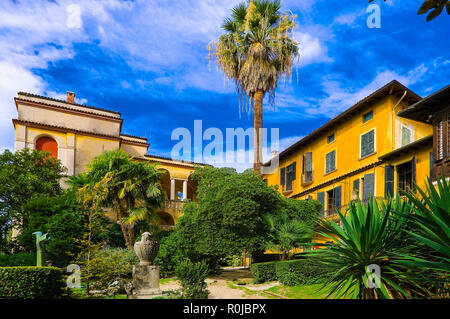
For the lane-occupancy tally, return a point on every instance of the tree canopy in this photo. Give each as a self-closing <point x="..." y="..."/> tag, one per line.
<point x="228" y="218"/>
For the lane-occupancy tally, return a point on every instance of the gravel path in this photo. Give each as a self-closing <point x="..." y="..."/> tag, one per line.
<point x="219" y="288"/>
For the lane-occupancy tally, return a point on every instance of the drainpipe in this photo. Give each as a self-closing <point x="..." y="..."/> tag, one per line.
<point x="393" y="121"/>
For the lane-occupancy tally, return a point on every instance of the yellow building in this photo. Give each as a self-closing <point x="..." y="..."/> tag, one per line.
<point x="76" y="134"/>
<point x="366" y="151"/>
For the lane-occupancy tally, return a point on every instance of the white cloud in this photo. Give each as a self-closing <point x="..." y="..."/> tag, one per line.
<point x="340" y="98"/>
<point x="312" y="50"/>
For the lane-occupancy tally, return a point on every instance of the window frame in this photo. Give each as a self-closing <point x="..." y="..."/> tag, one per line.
<point x="367" y="113"/>
<point x="374" y="151"/>
<point x="335" y="162"/>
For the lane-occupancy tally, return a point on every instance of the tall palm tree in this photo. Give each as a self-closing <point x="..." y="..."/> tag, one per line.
<point x="132" y="188"/>
<point x="257" y="50"/>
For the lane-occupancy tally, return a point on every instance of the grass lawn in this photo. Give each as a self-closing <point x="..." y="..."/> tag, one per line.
<point x="300" y="291"/>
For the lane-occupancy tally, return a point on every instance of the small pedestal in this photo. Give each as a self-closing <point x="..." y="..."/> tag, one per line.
<point x="145" y="282"/>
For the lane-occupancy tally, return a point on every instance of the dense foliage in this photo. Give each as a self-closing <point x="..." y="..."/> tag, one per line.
<point x="286" y="233"/>
<point x="31" y="283"/>
<point x="407" y="239"/>
<point x="17" y="259"/>
<point x="24" y="175"/>
<point x="289" y="272"/>
<point x="110" y="264"/>
<point x="131" y="188"/>
<point x="61" y="218"/>
<point x="262" y="272"/>
<point x="192" y="277"/>
<point x="230" y="211"/>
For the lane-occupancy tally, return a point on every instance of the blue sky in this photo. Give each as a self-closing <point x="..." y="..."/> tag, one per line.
<point x="147" y="60"/>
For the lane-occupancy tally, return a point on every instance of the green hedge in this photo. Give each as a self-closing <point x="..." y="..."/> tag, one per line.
<point x="17" y="259"/>
<point x="262" y="272"/>
<point x="31" y="282"/>
<point x="289" y="273"/>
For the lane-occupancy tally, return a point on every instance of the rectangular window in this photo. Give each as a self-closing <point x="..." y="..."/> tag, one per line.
<point x="321" y="199"/>
<point x="368" y="143"/>
<point x="330" y="138"/>
<point x="406" y="175"/>
<point x="290" y="176"/>
<point x="307" y="172"/>
<point x="368" y="187"/>
<point x="368" y="116"/>
<point x="331" y="210"/>
<point x="441" y="143"/>
<point x="355" y="193"/>
<point x="337" y="197"/>
<point x="330" y="162"/>
<point x="406" y="135"/>
<point x="282" y="176"/>
<point x="389" y="181"/>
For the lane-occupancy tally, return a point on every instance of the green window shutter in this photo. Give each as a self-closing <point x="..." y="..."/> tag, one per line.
<point x="370" y="147"/>
<point x="388" y="181"/>
<point x="321" y="199"/>
<point x="337" y="197"/>
<point x="368" y="186"/>
<point x="431" y="165"/>
<point x="356" y="186"/>
<point x="363" y="145"/>
<point x="294" y="170"/>
<point x="282" y="176"/>
<point x="308" y="159"/>
<point x="368" y="143"/>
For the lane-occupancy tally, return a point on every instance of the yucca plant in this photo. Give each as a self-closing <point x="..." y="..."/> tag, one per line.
<point x="429" y="225"/>
<point x="370" y="236"/>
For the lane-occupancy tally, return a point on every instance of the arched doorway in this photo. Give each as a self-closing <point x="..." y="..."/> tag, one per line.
<point x="166" y="220"/>
<point x="47" y="144"/>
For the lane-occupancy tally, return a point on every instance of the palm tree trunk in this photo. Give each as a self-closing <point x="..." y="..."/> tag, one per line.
<point x="257" y="109"/>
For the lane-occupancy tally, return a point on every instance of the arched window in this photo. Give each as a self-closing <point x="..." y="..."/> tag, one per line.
<point x="47" y="144"/>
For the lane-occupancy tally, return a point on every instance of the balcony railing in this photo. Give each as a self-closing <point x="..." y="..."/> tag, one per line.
<point x="307" y="178"/>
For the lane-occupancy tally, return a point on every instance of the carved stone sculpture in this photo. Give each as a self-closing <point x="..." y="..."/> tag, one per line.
<point x="145" y="275"/>
<point x="146" y="249"/>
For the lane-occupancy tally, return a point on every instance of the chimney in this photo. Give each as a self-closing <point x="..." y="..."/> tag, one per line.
<point x="70" y="97"/>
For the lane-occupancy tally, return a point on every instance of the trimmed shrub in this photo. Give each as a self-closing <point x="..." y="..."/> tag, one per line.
<point x="300" y="272"/>
<point x="108" y="265"/>
<point x="192" y="278"/>
<point x="290" y="273"/>
<point x="263" y="272"/>
<point x="31" y="282"/>
<point x="17" y="259"/>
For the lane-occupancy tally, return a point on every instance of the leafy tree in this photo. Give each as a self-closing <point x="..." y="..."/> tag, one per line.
<point x="228" y="217"/>
<point x="91" y="196"/>
<point x="60" y="217"/>
<point x="25" y="174"/>
<point x="257" y="50"/>
<point x="286" y="233"/>
<point x="131" y="188"/>
<point x="437" y="6"/>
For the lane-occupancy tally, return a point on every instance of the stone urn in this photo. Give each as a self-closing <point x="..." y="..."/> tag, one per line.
<point x="146" y="249"/>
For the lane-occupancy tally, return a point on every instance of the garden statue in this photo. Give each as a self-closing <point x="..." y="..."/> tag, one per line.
<point x="39" y="239"/>
<point x="145" y="284"/>
<point x="146" y="249"/>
